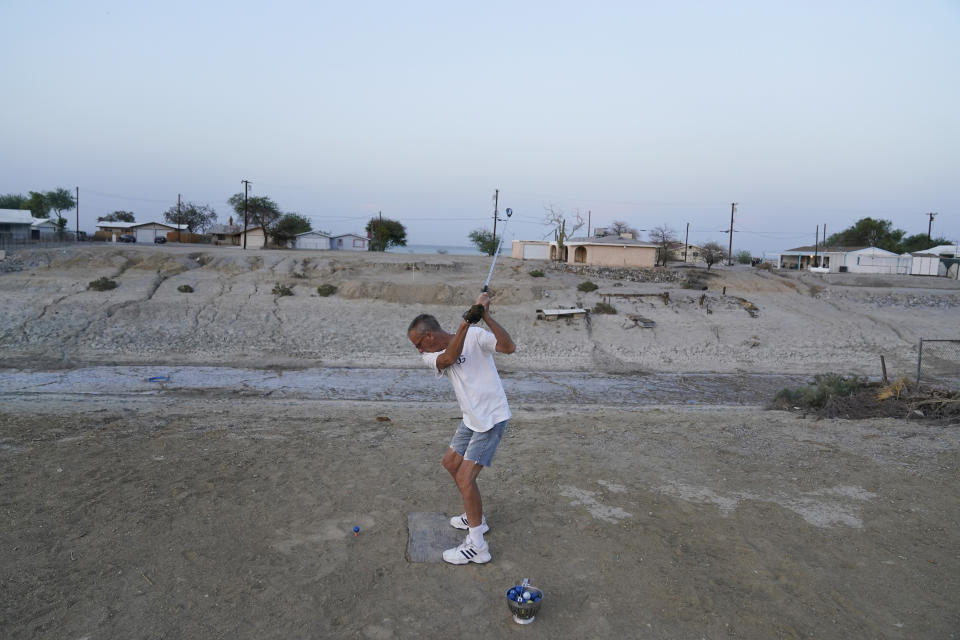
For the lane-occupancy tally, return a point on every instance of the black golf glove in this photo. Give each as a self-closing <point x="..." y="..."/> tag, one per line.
<point x="474" y="314"/>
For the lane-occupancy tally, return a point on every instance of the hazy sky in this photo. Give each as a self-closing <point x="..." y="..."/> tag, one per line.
<point x="652" y="113"/>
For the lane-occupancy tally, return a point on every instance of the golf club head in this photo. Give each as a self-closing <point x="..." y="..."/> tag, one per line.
<point x="509" y="212"/>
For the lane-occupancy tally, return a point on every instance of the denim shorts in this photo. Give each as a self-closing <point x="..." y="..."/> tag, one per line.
<point x="477" y="446"/>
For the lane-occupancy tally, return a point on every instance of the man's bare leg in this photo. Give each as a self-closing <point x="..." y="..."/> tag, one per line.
<point x="465" y="474"/>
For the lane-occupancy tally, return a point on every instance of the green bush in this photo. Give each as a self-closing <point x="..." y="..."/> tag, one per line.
<point x="604" y="307"/>
<point x="587" y="286"/>
<point x="536" y="273"/>
<point x="326" y="290"/>
<point x="185" y="288"/>
<point x="280" y="290"/>
<point x="816" y="395"/>
<point x="102" y="284"/>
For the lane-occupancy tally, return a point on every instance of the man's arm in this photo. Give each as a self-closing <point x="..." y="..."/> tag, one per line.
<point x="504" y="341"/>
<point x="454" y="349"/>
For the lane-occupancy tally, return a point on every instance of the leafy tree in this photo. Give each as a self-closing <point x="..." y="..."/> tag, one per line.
<point x="484" y="240"/>
<point x="712" y="253"/>
<point x="118" y="216"/>
<point x="13" y="201"/>
<point x="197" y="217"/>
<point x="919" y="242"/>
<point x="289" y="226"/>
<point x="868" y="232"/>
<point x="38" y="205"/>
<point x="557" y="219"/>
<point x="743" y="257"/>
<point x="385" y="233"/>
<point x="261" y="212"/>
<point x="59" y="200"/>
<point x="663" y="236"/>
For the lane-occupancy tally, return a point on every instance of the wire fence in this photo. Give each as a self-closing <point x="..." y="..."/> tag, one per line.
<point x="9" y="242"/>
<point x="938" y="363"/>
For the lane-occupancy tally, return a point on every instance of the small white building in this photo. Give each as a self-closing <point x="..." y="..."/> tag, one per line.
<point x="312" y="240"/>
<point x="43" y="228"/>
<point x="15" y="226"/>
<point x="349" y="242"/>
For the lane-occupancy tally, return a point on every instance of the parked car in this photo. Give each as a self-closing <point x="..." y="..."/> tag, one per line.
<point x="127" y="238"/>
<point x="160" y="239"/>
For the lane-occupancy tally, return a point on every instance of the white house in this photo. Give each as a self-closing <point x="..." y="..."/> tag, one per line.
<point x="844" y="259"/>
<point x="142" y="231"/>
<point x="349" y="242"/>
<point x="43" y="228"/>
<point x="312" y="240"/>
<point x="15" y="225"/>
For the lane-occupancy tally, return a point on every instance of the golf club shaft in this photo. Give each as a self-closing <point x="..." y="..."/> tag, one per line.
<point x="503" y="234"/>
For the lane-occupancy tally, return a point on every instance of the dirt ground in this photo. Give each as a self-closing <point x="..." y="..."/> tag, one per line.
<point x="232" y="517"/>
<point x="229" y="513"/>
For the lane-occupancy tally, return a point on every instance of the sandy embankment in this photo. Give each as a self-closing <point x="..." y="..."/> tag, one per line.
<point x="804" y="324"/>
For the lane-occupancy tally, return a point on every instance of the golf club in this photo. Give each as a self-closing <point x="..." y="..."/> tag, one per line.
<point x="503" y="235"/>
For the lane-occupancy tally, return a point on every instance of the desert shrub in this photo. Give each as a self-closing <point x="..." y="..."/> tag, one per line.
<point x="326" y="290"/>
<point x="816" y="395"/>
<point x="297" y="274"/>
<point x="280" y="290"/>
<point x="766" y="266"/>
<point x="185" y="288"/>
<point x="743" y="257"/>
<point x="586" y="285"/>
<point x="604" y="307"/>
<point x="102" y="284"/>
<point x="536" y="273"/>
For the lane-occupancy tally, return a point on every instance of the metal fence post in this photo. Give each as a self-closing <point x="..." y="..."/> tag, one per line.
<point x="919" y="360"/>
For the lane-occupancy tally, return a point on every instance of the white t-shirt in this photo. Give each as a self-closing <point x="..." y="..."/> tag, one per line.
<point x="475" y="380"/>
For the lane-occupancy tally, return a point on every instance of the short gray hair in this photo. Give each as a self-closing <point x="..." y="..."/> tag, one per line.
<point x="423" y="323"/>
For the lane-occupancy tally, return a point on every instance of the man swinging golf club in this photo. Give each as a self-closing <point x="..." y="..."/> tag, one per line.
<point x="466" y="359"/>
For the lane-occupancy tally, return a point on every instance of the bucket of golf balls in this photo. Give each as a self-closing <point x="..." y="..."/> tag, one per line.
<point x="524" y="601"/>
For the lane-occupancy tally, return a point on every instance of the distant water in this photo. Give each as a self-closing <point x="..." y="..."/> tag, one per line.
<point x="435" y="248"/>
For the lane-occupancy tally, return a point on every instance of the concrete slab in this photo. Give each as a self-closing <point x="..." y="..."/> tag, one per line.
<point x="430" y="534"/>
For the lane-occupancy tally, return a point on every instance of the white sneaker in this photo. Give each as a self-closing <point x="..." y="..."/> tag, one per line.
<point x="468" y="552"/>
<point x="461" y="522"/>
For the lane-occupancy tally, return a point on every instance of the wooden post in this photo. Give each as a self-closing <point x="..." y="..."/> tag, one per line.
<point x="883" y="367"/>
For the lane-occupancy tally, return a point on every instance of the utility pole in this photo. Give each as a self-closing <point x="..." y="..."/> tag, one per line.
<point x="78" y="214"/>
<point x="496" y="203"/>
<point x="178" y="217"/>
<point x="686" y="243"/>
<point x="930" y="226"/>
<point x="589" y="216"/>
<point x="733" y="208"/>
<point x="246" y="188"/>
<point x="816" y="247"/>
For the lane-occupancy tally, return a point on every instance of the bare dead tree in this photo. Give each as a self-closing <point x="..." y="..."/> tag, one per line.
<point x="663" y="236"/>
<point x="557" y="219"/>
<point x="620" y="227"/>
